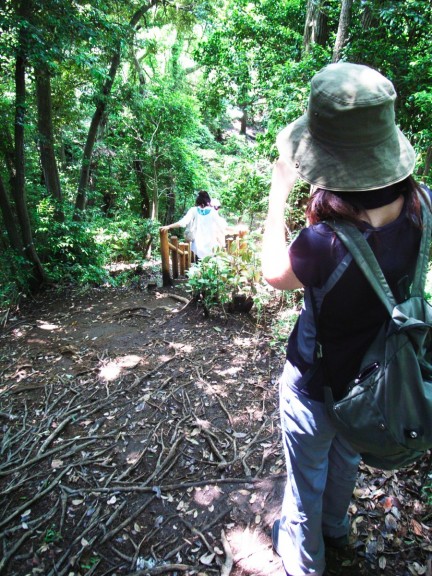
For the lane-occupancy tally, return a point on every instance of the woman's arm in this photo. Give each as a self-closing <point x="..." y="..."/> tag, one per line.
<point x="169" y="226"/>
<point x="182" y="222"/>
<point x="275" y="261"/>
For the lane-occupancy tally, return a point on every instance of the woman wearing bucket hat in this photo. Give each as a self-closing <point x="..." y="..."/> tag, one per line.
<point x="359" y="164"/>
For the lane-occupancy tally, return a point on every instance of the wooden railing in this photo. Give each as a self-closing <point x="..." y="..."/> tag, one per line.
<point x="177" y="256"/>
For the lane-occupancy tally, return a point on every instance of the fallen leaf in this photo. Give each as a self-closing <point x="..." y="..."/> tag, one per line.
<point x="416" y="527"/>
<point x="391" y="522"/>
<point x="207" y="559"/>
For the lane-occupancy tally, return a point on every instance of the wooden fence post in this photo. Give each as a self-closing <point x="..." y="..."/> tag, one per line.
<point x="174" y="257"/>
<point x="182" y="257"/>
<point x="164" y="248"/>
<point x="188" y="255"/>
<point x="242" y="240"/>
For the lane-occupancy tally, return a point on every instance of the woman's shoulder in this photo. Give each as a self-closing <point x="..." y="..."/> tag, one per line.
<point x="315" y="253"/>
<point x="316" y="235"/>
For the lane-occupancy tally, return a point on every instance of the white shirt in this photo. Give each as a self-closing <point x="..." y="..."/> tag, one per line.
<point x="209" y="229"/>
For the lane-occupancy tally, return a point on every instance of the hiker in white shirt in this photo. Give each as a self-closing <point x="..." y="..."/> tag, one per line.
<point x="206" y="226"/>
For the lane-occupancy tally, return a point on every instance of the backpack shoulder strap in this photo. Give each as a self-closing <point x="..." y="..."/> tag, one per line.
<point x="363" y="255"/>
<point x="357" y="245"/>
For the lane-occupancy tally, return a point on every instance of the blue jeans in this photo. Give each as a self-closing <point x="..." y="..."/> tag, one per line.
<point x="321" y="476"/>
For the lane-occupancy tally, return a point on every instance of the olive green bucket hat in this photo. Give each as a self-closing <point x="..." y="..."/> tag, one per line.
<point x="348" y="140"/>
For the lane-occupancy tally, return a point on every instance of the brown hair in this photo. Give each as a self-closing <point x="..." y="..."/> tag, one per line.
<point x="203" y="199"/>
<point x="327" y="205"/>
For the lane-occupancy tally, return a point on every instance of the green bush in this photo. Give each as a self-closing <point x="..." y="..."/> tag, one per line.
<point x="217" y="279"/>
<point x="15" y="277"/>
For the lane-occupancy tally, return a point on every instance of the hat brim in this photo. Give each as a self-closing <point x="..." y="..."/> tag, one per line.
<point x="345" y="168"/>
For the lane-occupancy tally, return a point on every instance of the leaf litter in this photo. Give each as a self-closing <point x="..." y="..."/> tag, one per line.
<point x="139" y="437"/>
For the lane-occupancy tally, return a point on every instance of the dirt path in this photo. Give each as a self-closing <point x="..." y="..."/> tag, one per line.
<point x="141" y="438"/>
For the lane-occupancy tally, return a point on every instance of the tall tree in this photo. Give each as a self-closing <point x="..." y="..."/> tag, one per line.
<point x="19" y="188"/>
<point x="46" y="139"/>
<point x="343" y="28"/>
<point x="9" y="220"/>
<point x="101" y="106"/>
<point x="316" y="25"/>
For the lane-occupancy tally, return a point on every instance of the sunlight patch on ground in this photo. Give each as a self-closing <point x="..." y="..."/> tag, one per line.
<point x="202" y="424"/>
<point x="46" y="325"/>
<point x="232" y="371"/>
<point x="207" y="495"/>
<point x="212" y="388"/>
<point x="252" y="550"/>
<point x="122" y="266"/>
<point x="182" y="347"/>
<point x="113" y="369"/>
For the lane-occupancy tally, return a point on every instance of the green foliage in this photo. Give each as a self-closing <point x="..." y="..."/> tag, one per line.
<point x="187" y="74"/>
<point x="243" y="185"/>
<point x="81" y="251"/>
<point x="15" y="277"/>
<point x="428" y="286"/>
<point x="242" y="53"/>
<point x="126" y="239"/>
<point x="228" y="273"/>
<point x="52" y="535"/>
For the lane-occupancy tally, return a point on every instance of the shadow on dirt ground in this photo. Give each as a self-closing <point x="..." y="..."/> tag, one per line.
<point x="139" y="437"/>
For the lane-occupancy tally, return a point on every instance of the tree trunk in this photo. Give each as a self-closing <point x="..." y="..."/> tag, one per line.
<point x="46" y="140"/>
<point x="367" y="17"/>
<point x="342" y="33"/>
<point x="19" y="192"/>
<point x="316" y="28"/>
<point x="9" y="220"/>
<point x="142" y="184"/>
<point x="244" y="122"/>
<point x="171" y="202"/>
<point x="154" y="206"/>
<point x="7" y="148"/>
<point x="81" y="199"/>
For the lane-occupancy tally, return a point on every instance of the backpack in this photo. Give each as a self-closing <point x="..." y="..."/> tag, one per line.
<point x="386" y="413"/>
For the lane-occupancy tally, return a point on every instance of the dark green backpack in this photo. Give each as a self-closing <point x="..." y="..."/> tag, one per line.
<point x="386" y="413"/>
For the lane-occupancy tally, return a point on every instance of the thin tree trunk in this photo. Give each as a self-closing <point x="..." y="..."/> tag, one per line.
<point x="81" y="199"/>
<point x="19" y="192"/>
<point x="7" y="148"/>
<point x="171" y="202"/>
<point x="46" y="140"/>
<point x="342" y="33"/>
<point x="9" y="220"/>
<point x="142" y="184"/>
<point x="154" y="206"/>
<point x="244" y="122"/>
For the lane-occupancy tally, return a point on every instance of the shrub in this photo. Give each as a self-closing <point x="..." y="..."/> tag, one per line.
<point x="220" y="278"/>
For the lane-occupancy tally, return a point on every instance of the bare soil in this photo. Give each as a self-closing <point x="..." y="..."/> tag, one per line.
<point x="139" y="437"/>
